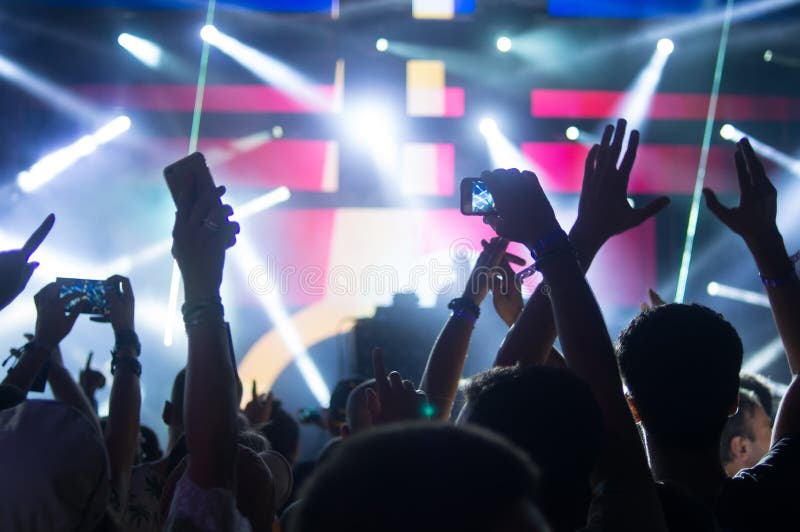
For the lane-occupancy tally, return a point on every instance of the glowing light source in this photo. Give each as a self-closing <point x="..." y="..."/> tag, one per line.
<point x="504" y="44"/>
<point x="487" y="126"/>
<point x="767" y="55"/>
<point x="277" y="132"/>
<point x="145" y="51"/>
<point x="209" y="33"/>
<point x="737" y="294"/>
<point x="373" y="126"/>
<point x="381" y="45"/>
<point x="54" y="163"/>
<point x="727" y="132"/>
<point x="572" y="133"/>
<point x="665" y="46"/>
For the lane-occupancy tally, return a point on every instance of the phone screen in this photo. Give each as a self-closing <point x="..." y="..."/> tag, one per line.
<point x="92" y="291"/>
<point x="482" y="200"/>
<point x="476" y="200"/>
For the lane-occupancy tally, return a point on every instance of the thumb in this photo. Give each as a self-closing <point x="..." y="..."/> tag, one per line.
<point x="713" y="204"/>
<point x="27" y="272"/>
<point x="651" y="209"/>
<point x="373" y="404"/>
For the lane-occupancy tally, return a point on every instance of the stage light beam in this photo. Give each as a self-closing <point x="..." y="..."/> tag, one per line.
<point x="49" y="166"/>
<point x="728" y="132"/>
<point x="504" y="44"/>
<point x="381" y="45"/>
<point x="737" y="294"/>
<point x="145" y="51"/>
<point x="767" y="56"/>
<point x="784" y="160"/>
<point x="665" y="46"/>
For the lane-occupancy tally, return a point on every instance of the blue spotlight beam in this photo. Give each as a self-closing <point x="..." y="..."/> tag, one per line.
<point x="694" y="212"/>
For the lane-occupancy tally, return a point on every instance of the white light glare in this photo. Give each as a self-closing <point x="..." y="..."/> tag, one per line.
<point x="573" y="133"/>
<point x="737" y="294"/>
<point x="145" y="51"/>
<point x="209" y="33"/>
<point x="665" y="46"/>
<point x="54" y="163"/>
<point x="277" y="132"/>
<point x="381" y="45"/>
<point x="373" y="127"/>
<point x="727" y="132"/>
<point x="767" y="55"/>
<point x="504" y="44"/>
<point x="488" y="126"/>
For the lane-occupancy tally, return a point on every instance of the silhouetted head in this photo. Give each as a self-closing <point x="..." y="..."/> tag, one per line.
<point x="681" y="366"/>
<point x="424" y="477"/>
<point x="172" y="415"/>
<point x="283" y="433"/>
<point x="357" y="411"/>
<point x="550" y="414"/>
<point x="759" y="385"/>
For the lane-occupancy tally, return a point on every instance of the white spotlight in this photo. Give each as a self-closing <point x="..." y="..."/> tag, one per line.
<point x="374" y="127"/>
<point x="277" y="132"/>
<point x="145" y="51"/>
<point x="209" y="33"/>
<point x="572" y="133"/>
<point x="504" y="44"/>
<point x="768" y="55"/>
<point x="381" y="45"/>
<point x="737" y="294"/>
<point x="727" y="132"/>
<point x="54" y="163"/>
<point x="488" y="126"/>
<point x="712" y="288"/>
<point x="665" y="46"/>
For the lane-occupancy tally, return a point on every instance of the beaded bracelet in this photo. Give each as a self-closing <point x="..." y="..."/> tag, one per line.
<point x="465" y="303"/>
<point x="466" y="315"/>
<point x="132" y="363"/>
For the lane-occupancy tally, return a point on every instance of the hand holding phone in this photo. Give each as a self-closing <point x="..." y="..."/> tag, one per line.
<point x="476" y="200"/>
<point x="189" y="174"/>
<point x="88" y="295"/>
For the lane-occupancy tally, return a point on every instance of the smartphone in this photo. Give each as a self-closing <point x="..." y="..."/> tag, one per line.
<point x="476" y="200"/>
<point x="192" y="168"/>
<point x="93" y="291"/>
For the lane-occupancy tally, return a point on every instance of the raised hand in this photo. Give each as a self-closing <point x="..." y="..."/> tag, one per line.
<point x="487" y="267"/>
<point x="754" y="218"/>
<point x="524" y="213"/>
<point x="52" y="324"/>
<point x="15" y="270"/>
<point x="259" y="409"/>
<point x="120" y="303"/>
<point x="393" y="399"/>
<point x="506" y="293"/>
<point x="201" y="234"/>
<point x="90" y="379"/>
<point x="604" y="210"/>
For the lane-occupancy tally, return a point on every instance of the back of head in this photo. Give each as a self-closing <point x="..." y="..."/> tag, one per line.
<point x="176" y="398"/>
<point x="283" y="433"/>
<point x="55" y="469"/>
<point x="759" y="385"/>
<point x="681" y="366"/>
<point x="551" y="414"/>
<point x="738" y="424"/>
<point x="422" y="477"/>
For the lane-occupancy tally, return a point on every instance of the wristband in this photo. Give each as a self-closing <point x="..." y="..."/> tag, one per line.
<point x="788" y="278"/>
<point x="548" y="243"/>
<point x="127" y="338"/>
<point x="132" y="363"/>
<point x="465" y="303"/>
<point x="202" y="310"/>
<point x="466" y="315"/>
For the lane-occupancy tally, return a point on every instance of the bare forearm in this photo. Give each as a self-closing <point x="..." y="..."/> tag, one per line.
<point x="773" y="262"/>
<point x="66" y="390"/>
<point x="210" y="411"/>
<point x="122" y="427"/>
<point x="445" y="365"/>
<point x="529" y="341"/>
<point x="24" y="373"/>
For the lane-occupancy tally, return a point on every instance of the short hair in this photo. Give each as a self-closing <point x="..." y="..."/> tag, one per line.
<point x="283" y="432"/>
<point x="759" y="385"/>
<point x="416" y="476"/>
<point x="739" y="424"/>
<point x="338" y="405"/>
<point x="681" y="366"/>
<point x="551" y="414"/>
<point x="150" y="449"/>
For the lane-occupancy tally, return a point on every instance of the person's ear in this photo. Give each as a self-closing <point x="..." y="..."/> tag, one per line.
<point x="345" y="431"/>
<point x="166" y="413"/>
<point x="739" y="447"/>
<point x="632" y="407"/>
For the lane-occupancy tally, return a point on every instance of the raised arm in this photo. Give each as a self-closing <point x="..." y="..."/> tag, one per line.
<point x="15" y="270"/>
<point x="525" y="215"/>
<point x="122" y="427"/>
<point x="603" y="212"/>
<point x="66" y="390"/>
<point x="201" y="235"/>
<point x="52" y="326"/>
<point x="754" y="220"/>
<point x="446" y="360"/>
